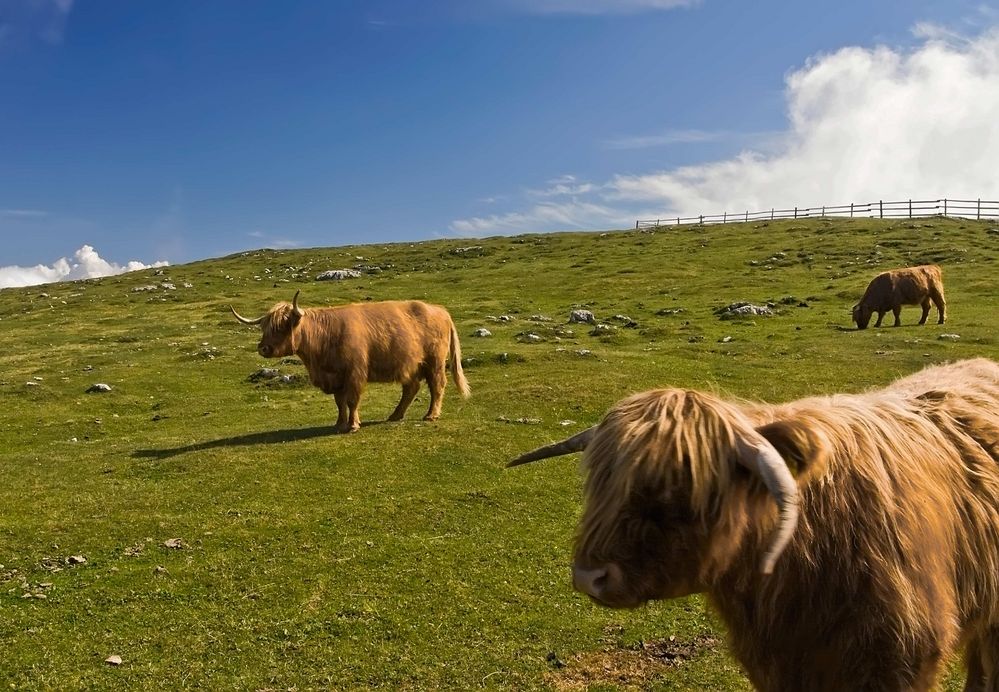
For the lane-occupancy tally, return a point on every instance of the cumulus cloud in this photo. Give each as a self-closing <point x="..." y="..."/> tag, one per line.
<point x="85" y="264"/>
<point x="862" y="124"/>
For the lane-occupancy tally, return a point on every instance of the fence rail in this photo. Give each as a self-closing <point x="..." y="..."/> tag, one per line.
<point x="912" y="208"/>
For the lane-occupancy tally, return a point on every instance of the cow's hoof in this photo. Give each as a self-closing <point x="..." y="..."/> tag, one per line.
<point x="395" y="417"/>
<point x="431" y="418"/>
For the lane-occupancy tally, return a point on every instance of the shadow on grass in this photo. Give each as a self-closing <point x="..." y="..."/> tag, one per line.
<point x="261" y="438"/>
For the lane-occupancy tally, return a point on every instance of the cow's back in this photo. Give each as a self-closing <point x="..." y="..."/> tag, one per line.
<point x="394" y="339"/>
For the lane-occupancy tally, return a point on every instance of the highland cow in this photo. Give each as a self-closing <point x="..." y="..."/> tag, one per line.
<point x="345" y="347"/>
<point x="849" y="542"/>
<point x="891" y="290"/>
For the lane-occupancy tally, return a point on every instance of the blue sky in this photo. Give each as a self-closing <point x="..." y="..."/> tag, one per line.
<point x="175" y="131"/>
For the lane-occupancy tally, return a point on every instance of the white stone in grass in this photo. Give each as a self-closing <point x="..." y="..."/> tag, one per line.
<point x="113" y="660"/>
<point x="949" y="337"/>
<point x="98" y="388"/>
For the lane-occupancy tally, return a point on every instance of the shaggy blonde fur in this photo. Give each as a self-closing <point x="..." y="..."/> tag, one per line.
<point x="345" y="347"/>
<point x="890" y="290"/>
<point x="895" y="561"/>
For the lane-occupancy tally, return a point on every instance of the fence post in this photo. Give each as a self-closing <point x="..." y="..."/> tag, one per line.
<point x="978" y="216"/>
<point x="851" y="210"/>
<point x="747" y="216"/>
<point x="945" y="206"/>
<point x="881" y="208"/>
<point x="701" y="221"/>
<point x="796" y="212"/>
<point x="910" y="208"/>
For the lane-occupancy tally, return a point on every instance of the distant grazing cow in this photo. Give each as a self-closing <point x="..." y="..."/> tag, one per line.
<point x="345" y="347"/>
<point x="849" y="542"/>
<point x="891" y="290"/>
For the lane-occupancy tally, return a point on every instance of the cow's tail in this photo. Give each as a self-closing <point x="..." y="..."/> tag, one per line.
<point x="455" y="364"/>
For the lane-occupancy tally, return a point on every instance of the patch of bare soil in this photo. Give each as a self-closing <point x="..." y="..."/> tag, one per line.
<point x="629" y="668"/>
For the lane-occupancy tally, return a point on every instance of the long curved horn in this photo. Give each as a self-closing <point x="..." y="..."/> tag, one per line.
<point x="294" y="305"/>
<point x="576" y="443"/>
<point x="245" y="320"/>
<point x="760" y="457"/>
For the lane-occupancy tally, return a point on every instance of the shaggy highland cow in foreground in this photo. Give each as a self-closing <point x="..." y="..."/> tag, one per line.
<point x="849" y="542"/>
<point x="345" y="347"/>
<point x="891" y="290"/>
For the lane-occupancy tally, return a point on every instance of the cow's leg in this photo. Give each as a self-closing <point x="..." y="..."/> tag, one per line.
<point x="409" y="390"/>
<point x="982" y="659"/>
<point x="349" y="400"/>
<point x="897" y="311"/>
<point x="926" y="309"/>
<point x="941" y="304"/>
<point x="343" y="413"/>
<point x="437" y="381"/>
<point x="881" y="316"/>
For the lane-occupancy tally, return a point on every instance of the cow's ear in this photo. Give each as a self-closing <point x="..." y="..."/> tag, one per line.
<point x="800" y="442"/>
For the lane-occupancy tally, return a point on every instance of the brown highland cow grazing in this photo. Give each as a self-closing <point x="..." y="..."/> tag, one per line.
<point x="345" y="347"/>
<point x="891" y="290"/>
<point x="849" y="542"/>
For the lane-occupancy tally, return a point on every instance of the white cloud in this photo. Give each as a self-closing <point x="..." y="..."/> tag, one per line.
<point x="547" y="216"/>
<point x="596" y="7"/>
<point x="863" y="124"/>
<point x="85" y="264"/>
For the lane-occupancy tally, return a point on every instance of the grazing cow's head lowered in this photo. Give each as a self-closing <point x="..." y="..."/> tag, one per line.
<point x="862" y="315"/>
<point x="277" y="326"/>
<point x="880" y="560"/>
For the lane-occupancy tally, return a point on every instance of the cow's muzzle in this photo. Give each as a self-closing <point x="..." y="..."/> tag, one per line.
<point x="604" y="585"/>
<point x="265" y="350"/>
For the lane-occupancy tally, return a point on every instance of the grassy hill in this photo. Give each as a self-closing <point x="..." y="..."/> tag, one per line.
<point x="210" y="531"/>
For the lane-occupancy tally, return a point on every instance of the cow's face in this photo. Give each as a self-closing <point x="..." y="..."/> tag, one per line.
<point x="652" y="548"/>
<point x="653" y="526"/>
<point x="278" y="327"/>
<point x="861" y="316"/>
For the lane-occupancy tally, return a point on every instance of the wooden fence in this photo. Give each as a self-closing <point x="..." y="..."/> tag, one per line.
<point x="967" y="208"/>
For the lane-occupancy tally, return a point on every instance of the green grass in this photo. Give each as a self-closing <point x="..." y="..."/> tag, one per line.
<point x="404" y="555"/>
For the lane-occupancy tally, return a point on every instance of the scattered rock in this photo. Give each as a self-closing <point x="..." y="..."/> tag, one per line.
<point x="522" y="421"/>
<point x="144" y="289"/>
<point x="725" y="339"/>
<point x="584" y="352"/>
<point x="540" y="318"/>
<point x="482" y="332"/>
<point x="566" y="423"/>
<point x="744" y="309"/>
<point x="338" y="275"/>
<point x="264" y="374"/>
<point x="949" y="337"/>
<point x="175" y="543"/>
<point x="476" y="249"/>
<point x="113" y="660"/>
<point x="603" y="329"/>
<point x="501" y="318"/>
<point x="530" y="338"/>
<point x="76" y="560"/>
<point x="98" y="388"/>
<point x="582" y="317"/>
<point x="669" y="311"/>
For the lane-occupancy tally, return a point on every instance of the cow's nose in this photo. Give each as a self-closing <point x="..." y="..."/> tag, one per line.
<point x="591" y="581"/>
<point x="265" y="351"/>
